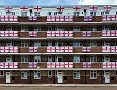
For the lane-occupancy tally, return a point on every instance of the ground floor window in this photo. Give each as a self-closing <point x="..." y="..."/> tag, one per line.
<point x="24" y="75"/>
<point x="93" y="74"/>
<point x="37" y="74"/>
<point x="1" y="73"/>
<point x="49" y="74"/>
<point x="76" y="75"/>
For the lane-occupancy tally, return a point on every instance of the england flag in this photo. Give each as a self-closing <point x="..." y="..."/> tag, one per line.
<point x="88" y="18"/>
<point x="106" y="64"/>
<point x="59" y="49"/>
<point x="4" y="49"/>
<point x="50" y="33"/>
<point x="50" y="49"/>
<point x="59" y="33"/>
<point x="13" y="18"/>
<point x="33" y="49"/>
<point x="32" y="33"/>
<point x="68" y="18"/>
<point x="86" y="33"/>
<point x="4" y="18"/>
<point x="106" y="33"/>
<point x="86" y="64"/>
<point x="68" y="33"/>
<point x="32" y="64"/>
<point x="4" y="65"/>
<point x="59" y="18"/>
<point x="13" y="65"/>
<point x="59" y="64"/>
<point x="13" y="33"/>
<point x="68" y="64"/>
<point x="106" y="17"/>
<point x="114" y="64"/>
<point x="113" y="48"/>
<point x="51" y="18"/>
<point x="13" y="49"/>
<point x="4" y="33"/>
<point x="68" y="49"/>
<point x="32" y="18"/>
<point x="113" y="33"/>
<point x="106" y="49"/>
<point x="50" y="64"/>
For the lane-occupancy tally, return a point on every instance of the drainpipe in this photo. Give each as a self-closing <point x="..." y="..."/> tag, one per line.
<point x="30" y="77"/>
<point x="85" y="70"/>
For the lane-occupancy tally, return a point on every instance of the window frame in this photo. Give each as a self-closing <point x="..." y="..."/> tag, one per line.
<point x="75" y="58"/>
<point x="24" y="13"/>
<point x="49" y="75"/>
<point x="76" y="77"/>
<point x="92" y="58"/>
<point x="24" y="72"/>
<point x="93" y="72"/>
<point x="24" y="59"/>
<point x="37" y="72"/>
<point x="24" y="44"/>
<point x="76" y="44"/>
<point x="1" y="75"/>
<point x="38" y="58"/>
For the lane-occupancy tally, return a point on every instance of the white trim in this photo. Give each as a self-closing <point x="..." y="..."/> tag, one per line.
<point x="51" y="73"/>
<point x="93" y="72"/>
<point x="38" y="72"/>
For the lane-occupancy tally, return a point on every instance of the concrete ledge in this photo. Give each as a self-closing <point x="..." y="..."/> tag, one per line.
<point x="58" y="85"/>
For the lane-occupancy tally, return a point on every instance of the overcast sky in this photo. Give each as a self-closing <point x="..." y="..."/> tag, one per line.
<point x="58" y="2"/>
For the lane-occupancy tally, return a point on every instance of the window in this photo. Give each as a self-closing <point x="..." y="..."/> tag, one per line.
<point x="10" y="13"/>
<point x="76" y="29"/>
<point x="37" y="13"/>
<point x="49" y="28"/>
<point x="106" y="13"/>
<point x="92" y="13"/>
<point x="76" y="13"/>
<point x="49" y="43"/>
<point x="24" y="59"/>
<point x="24" y="44"/>
<point x="76" y="44"/>
<point x="93" y="43"/>
<point x="8" y="28"/>
<point x="49" y="58"/>
<point x="37" y="58"/>
<point x="49" y="73"/>
<point x="23" y="29"/>
<point x="76" y="75"/>
<point x="1" y="73"/>
<point x="24" y="75"/>
<point x="49" y="13"/>
<point x="37" y="29"/>
<point x="23" y="13"/>
<point x="76" y="58"/>
<point x="37" y="44"/>
<point x="59" y="29"/>
<point x="37" y="74"/>
<point x="93" y="74"/>
<point x="93" y="58"/>
<point x="93" y="29"/>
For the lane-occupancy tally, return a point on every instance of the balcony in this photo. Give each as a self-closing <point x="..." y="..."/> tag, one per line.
<point x="32" y="50"/>
<point x="81" y="19"/>
<point x="87" y="34"/>
<point x="32" y="34"/>
<point x="38" y="19"/>
<point x="59" y="65"/>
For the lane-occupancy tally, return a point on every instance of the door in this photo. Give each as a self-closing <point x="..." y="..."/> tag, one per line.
<point x="8" y="79"/>
<point x="107" y="76"/>
<point x="60" y="77"/>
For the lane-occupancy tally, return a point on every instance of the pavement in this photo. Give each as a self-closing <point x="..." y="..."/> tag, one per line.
<point x="58" y="85"/>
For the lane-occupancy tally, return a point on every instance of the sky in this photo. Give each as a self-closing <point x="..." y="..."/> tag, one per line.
<point x="58" y="2"/>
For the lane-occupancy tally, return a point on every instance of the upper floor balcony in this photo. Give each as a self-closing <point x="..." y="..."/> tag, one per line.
<point x="59" y="65"/>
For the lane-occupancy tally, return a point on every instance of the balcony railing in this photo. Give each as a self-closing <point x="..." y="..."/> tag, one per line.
<point x="60" y="65"/>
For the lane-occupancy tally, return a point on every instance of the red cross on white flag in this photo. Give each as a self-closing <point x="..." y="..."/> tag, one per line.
<point x="59" y="49"/>
<point x="106" y="64"/>
<point x="60" y="8"/>
<point x="106" y="48"/>
<point x="68" y="64"/>
<point x="23" y="8"/>
<point x="4" y="33"/>
<point x="50" y="49"/>
<point x="93" y="7"/>
<point x="68" y="18"/>
<point x="60" y="65"/>
<point x="32" y="33"/>
<point x="114" y="64"/>
<point x="13" y="49"/>
<point x="4" y="18"/>
<point x="88" y="18"/>
<point x="68" y="33"/>
<point x="106" y="17"/>
<point x="32" y="18"/>
<point x="51" y="33"/>
<point x="59" y="18"/>
<point x="113" y="48"/>
<point x="4" y="49"/>
<point x="37" y="8"/>
<point x="4" y="65"/>
<point x="13" y="33"/>
<point x="76" y="8"/>
<point x="60" y="33"/>
<point x="32" y="64"/>
<point x="86" y="49"/>
<point x="86" y="33"/>
<point x="107" y="8"/>
<point x="86" y="64"/>
<point x="106" y="33"/>
<point x="8" y="8"/>
<point x="68" y="49"/>
<point x="113" y="17"/>
<point x="13" y="65"/>
<point x="50" y="64"/>
<point x="13" y="18"/>
<point x="33" y="49"/>
<point x="114" y="33"/>
<point x="51" y="18"/>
